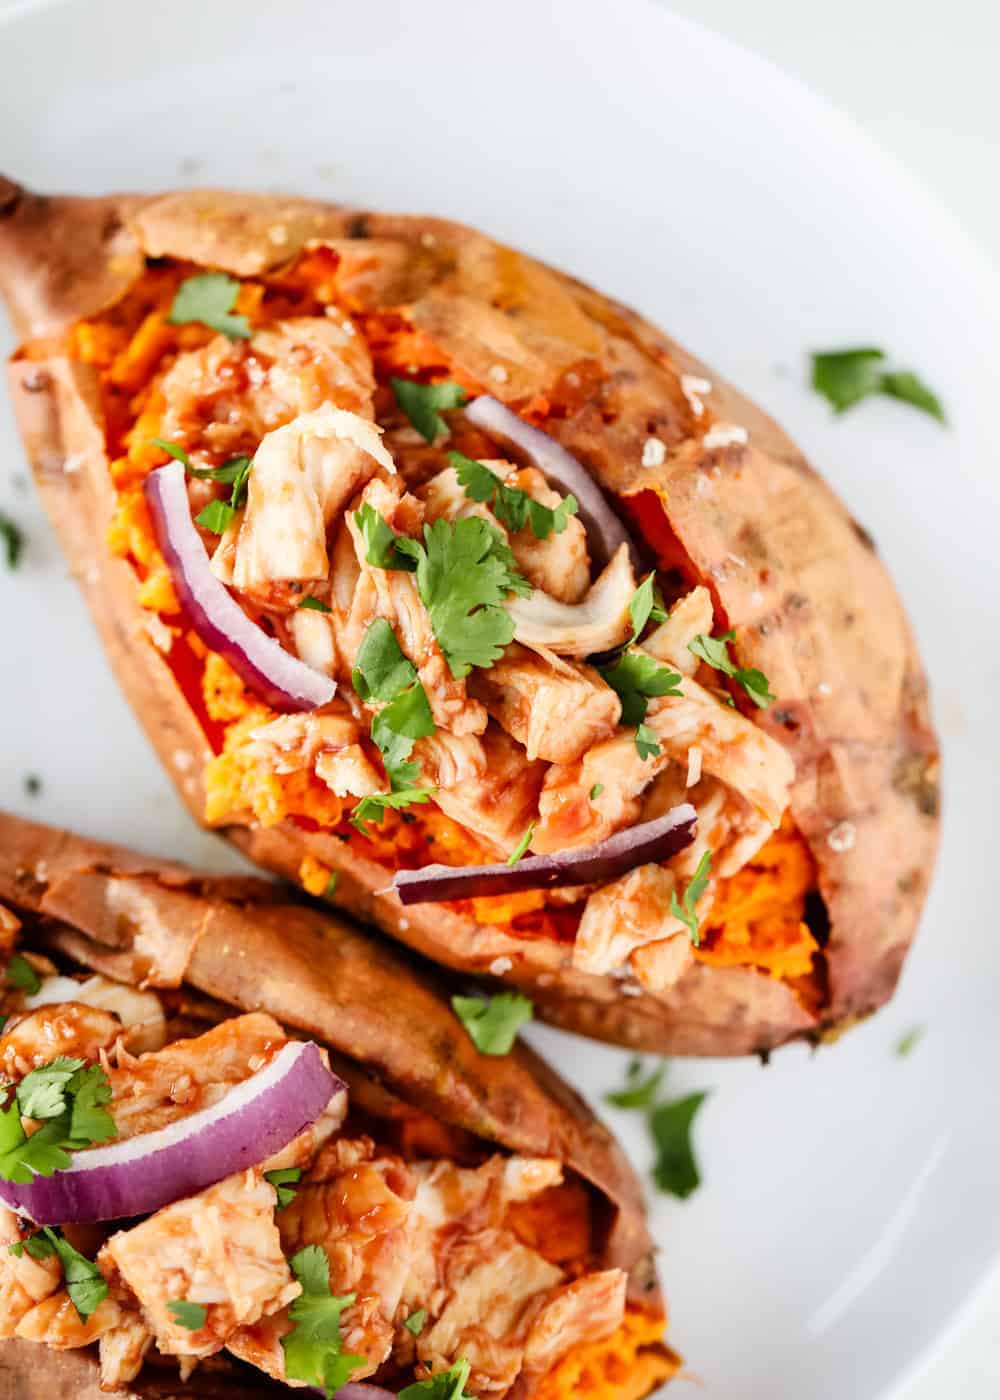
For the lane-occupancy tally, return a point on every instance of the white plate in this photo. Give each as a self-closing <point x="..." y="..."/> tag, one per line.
<point x="849" y="1204"/>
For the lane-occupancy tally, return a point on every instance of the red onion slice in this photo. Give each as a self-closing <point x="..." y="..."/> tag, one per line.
<point x="280" y="679"/>
<point x="357" y="1390"/>
<point x="605" y="531"/>
<point x="652" y="841"/>
<point x="136" y="1177"/>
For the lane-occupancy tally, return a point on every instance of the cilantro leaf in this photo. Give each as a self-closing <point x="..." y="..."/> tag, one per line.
<point x="39" y="1155"/>
<point x="37" y="1246"/>
<point x="313" y="1347"/>
<point x="415" y="1322"/>
<point x="646" y="606"/>
<point x="908" y="1042"/>
<point x="312" y="604"/>
<point x="522" y="845"/>
<point x="423" y="403"/>
<point x="209" y="298"/>
<point x="381" y="670"/>
<point x="646" y="743"/>
<point x="22" y="975"/>
<point x="696" y="888"/>
<point x="331" y="886"/>
<point x="90" y="1122"/>
<point x="675" y="1170"/>
<point x="13" y="538"/>
<point x="596" y="791"/>
<point x="638" y="1092"/>
<point x="373" y="808"/>
<point x="381" y="541"/>
<point x="465" y="571"/>
<point x="283" y="1180"/>
<point x="511" y="506"/>
<point x="493" y="1022"/>
<point x="845" y="377"/>
<point x="216" y="516"/>
<point x="42" y="1092"/>
<point x="446" y="1385"/>
<point x="185" y="1314"/>
<point x="85" y="1283"/>
<point x="715" y="652"/>
<point x="637" y="678"/>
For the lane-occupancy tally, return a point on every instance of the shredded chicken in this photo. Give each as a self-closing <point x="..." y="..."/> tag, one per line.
<point x="624" y="914"/>
<point x="584" y="1311"/>
<point x="24" y="1282"/>
<point x="223" y="398"/>
<point x="486" y="784"/>
<point x="56" y="1322"/>
<point x="689" y="617"/>
<point x="598" y="622"/>
<point x="327" y="744"/>
<point x="557" y="709"/>
<point x="219" y="1248"/>
<point x="69" y="1028"/>
<point x="312" y="634"/>
<point x="144" y="1026"/>
<point x="122" y="1350"/>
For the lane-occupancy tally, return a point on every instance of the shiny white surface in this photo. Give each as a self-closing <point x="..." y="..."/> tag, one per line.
<point x="849" y="1207"/>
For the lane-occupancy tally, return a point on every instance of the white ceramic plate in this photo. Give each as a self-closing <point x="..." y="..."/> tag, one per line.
<point x="849" y="1204"/>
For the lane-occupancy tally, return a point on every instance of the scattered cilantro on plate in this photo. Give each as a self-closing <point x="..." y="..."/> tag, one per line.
<point x="845" y="377"/>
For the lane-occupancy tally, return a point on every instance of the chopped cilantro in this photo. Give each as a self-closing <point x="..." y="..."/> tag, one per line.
<point x="446" y="1385"/>
<point x="522" y="845"/>
<point x="381" y="541"/>
<point x="314" y="605"/>
<point x="511" y="506"/>
<point x="715" y="652"/>
<point x="85" y="1283"/>
<point x="845" y="377"/>
<point x="22" y="975"/>
<point x="374" y="808"/>
<point x="493" y="1022"/>
<point x="675" y="1170"/>
<point x="423" y="404"/>
<point x="331" y="886"/>
<point x="646" y="743"/>
<point x="218" y="515"/>
<point x="637" y="678"/>
<point x="313" y="1347"/>
<point x="646" y="606"/>
<point x="383" y="673"/>
<point x="185" y="1314"/>
<point x="465" y="571"/>
<point x="638" y="1092"/>
<point x="13" y="538"/>
<point x="67" y="1097"/>
<point x="415" y="1322"/>
<point x="32" y="784"/>
<point x="908" y="1042"/>
<point x="283" y="1180"/>
<point x="696" y="888"/>
<point x="209" y="298"/>
<point x="596" y="790"/>
<point x="381" y="670"/>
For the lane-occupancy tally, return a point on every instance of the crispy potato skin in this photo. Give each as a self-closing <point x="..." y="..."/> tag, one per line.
<point x="788" y="568"/>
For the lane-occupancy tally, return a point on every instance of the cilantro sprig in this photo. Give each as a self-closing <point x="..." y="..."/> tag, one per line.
<point x="381" y="541"/>
<point x="22" y="975"/>
<point x="446" y="1385"/>
<point x="208" y="298"/>
<point x="85" y="1283"/>
<point x="424" y="403"/>
<point x="511" y="506"/>
<point x="313" y="1348"/>
<point x="715" y="652"/>
<point x="686" y="911"/>
<point x="13" y="539"/>
<point x="382" y="674"/>
<point x="637" y="679"/>
<point x="846" y="377"/>
<point x="493" y="1022"/>
<point x="646" y="606"/>
<point x="217" y="515"/>
<point x="67" y="1096"/>
<point x="669" y="1123"/>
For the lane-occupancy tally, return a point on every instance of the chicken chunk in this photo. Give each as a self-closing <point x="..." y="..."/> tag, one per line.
<point x="222" y="399"/>
<point x="68" y="1028"/>
<point x="485" y="784"/>
<point x="219" y="1248"/>
<point x="24" y="1282"/>
<point x="122" y="1350"/>
<point x="693" y="614"/>
<point x="598" y="622"/>
<point x="303" y="475"/>
<point x="153" y="1090"/>
<point x="582" y="1312"/>
<point x="144" y="1026"/>
<point x="623" y="915"/>
<point x="56" y="1322"/>
<point x="555" y="708"/>
<point x="327" y="744"/>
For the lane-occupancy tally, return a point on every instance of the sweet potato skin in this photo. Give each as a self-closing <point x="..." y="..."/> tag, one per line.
<point x="788" y="568"/>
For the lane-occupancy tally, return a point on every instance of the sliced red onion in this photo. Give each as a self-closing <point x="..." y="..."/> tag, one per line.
<point x="357" y="1390"/>
<point x="649" y="842"/>
<point x="280" y="679"/>
<point x="139" y="1175"/>
<point x="605" y="531"/>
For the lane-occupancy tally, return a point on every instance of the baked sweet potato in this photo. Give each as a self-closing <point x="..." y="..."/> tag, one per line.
<point x="804" y="741"/>
<point x="495" y="1156"/>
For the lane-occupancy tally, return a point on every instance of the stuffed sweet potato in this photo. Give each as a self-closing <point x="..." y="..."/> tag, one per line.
<point x="242" y="1102"/>
<point x="510" y="578"/>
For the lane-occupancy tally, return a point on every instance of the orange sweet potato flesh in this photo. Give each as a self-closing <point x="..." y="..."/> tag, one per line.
<point x="788" y="568"/>
<point x="243" y="943"/>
